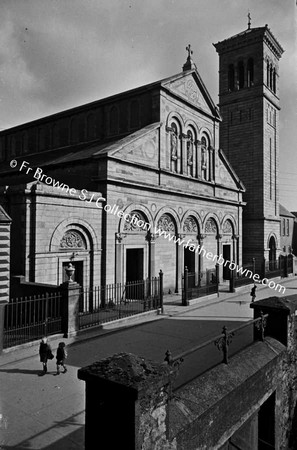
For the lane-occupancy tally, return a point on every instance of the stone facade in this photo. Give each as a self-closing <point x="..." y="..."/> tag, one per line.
<point x="249" y="104"/>
<point x="152" y="153"/>
<point x="287" y="221"/>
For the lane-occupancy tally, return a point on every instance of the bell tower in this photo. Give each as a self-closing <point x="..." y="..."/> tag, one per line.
<point x="249" y="133"/>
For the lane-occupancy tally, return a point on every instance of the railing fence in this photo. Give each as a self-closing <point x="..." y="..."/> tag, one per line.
<point x="30" y="318"/>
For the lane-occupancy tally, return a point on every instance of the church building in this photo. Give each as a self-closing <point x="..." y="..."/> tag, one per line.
<point x="157" y="155"/>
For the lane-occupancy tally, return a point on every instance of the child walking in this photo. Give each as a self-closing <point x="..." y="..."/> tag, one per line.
<point x="45" y="353"/>
<point x="61" y="357"/>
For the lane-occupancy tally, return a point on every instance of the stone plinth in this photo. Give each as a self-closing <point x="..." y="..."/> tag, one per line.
<point x="127" y="399"/>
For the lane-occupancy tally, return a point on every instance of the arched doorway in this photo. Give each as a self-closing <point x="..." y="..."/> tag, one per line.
<point x="166" y="251"/>
<point x="191" y="256"/>
<point x="227" y="247"/>
<point x="136" y="248"/>
<point x="272" y="253"/>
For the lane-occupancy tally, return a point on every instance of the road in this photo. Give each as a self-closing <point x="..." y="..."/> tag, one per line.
<point x="47" y="412"/>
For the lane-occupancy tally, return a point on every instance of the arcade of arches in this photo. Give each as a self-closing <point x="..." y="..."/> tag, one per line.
<point x="141" y="252"/>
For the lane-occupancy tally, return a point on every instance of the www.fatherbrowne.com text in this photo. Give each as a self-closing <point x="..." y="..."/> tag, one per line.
<point x="132" y="219"/>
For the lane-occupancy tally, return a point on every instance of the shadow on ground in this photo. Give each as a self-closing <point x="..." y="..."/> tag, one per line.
<point x="71" y="441"/>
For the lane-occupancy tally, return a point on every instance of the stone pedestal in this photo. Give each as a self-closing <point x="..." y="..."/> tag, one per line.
<point x="71" y="292"/>
<point x="281" y="319"/>
<point x="127" y="401"/>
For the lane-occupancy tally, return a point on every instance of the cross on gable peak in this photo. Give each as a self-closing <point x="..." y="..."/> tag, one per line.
<point x="190" y="52"/>
<point x="189" y="63"/>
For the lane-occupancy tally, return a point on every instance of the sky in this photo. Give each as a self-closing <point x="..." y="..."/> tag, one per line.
<point x="57" y="54"/>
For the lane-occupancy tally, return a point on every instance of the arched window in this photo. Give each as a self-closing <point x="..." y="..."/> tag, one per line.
<point x="204" y="157"/>
<point x="267" y="74"/>
<point x="114" y="120"/>
<point x="250" y="72"/>
<point x="240" y="74"/>
<point x="190" y="153"/>
<point x="134" y="114"/>
<point x="231" y="78"/>
<point x="174" y="147"/>
<point x="272" y="253"/>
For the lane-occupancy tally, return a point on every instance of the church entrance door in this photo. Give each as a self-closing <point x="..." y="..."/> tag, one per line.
<point x="227" y="257"/>
<point x="189" y="262"/>
<point x="134" y="264"/>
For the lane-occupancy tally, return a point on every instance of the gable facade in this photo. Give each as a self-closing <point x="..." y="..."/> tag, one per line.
<point x="153" y="154"/>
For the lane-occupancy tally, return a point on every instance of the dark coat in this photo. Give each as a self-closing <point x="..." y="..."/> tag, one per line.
<point x="61" y="354"/>
<point x="44" y="351"/>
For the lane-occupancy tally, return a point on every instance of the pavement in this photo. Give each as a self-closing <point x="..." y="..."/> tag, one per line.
<point x="47" y="412"/>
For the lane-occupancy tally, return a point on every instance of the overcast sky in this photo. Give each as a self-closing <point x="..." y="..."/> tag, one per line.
<point x="56" y="54"/>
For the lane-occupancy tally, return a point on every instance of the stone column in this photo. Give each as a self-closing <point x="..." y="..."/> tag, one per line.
<point x="180" y="260"/>
<point x="183" y="154"/>
<point x="119" y="257"/>
<point x="152" y="254"/>
<point x="200" y="238"/>
<point x="127" y="398"/>
<point x="219" y="251"/>
<point x="198" y="159"/>
<point x="211" y="151"/>
<point x="235" y="238"/>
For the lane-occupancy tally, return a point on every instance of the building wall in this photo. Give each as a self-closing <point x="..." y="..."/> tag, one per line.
<point x="102" y="120"/>
<point x="249" y="133"/>
<point x="5" y="240"/>
<point x="169" y="257"/>
<point x="129" y="164"/>
<point x="49" y="214"/>
<point x="286" y="234"/>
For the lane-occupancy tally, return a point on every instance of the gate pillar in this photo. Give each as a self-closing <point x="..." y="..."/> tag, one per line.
<point x="71" y="293"/>
<point x="127" y="396"/>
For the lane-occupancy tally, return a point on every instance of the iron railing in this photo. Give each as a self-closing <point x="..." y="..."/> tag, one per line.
<point x="29" y="318"/>
<point x="202" y="357"/>
<point x="198" y="285"/>
<point x="115" y="301"/>
<point x="244" y="276"/>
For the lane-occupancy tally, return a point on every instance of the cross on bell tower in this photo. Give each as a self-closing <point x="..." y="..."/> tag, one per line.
<point x="249" y="20"/>
<point x="189" y="65"/>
